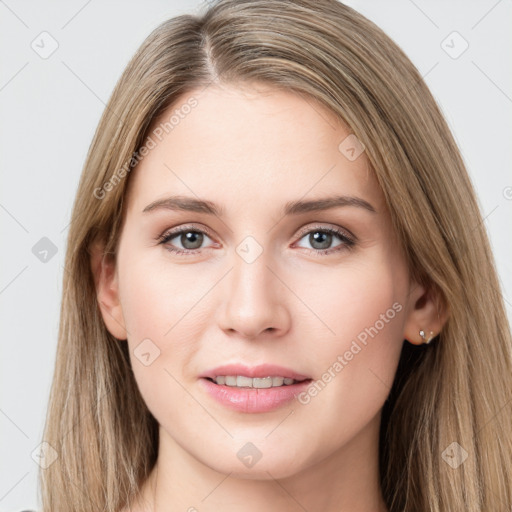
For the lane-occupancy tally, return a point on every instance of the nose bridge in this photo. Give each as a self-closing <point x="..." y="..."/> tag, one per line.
<point x="251" y="261"/>
<point x="250" y="278"/>
<point x="254" y="300"/>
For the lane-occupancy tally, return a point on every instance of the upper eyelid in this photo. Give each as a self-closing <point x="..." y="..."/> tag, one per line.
<point x="326" y="226"/>
<point x="184" y="228"/>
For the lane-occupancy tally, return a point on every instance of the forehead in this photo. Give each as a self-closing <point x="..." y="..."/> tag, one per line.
<point x="250" y="145"/>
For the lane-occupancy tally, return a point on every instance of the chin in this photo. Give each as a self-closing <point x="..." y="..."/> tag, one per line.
<point x="274" y="466"/>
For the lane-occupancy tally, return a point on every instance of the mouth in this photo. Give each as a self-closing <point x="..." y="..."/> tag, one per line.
<point x="242" y="381"/>
<point x="253" y="389"/>
<point x="256" y="389"/>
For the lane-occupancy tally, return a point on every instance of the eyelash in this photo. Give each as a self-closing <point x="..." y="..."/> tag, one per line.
<point x="348" y="241"/>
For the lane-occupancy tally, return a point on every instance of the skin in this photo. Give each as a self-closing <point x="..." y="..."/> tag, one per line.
<point x="250" y="150"/>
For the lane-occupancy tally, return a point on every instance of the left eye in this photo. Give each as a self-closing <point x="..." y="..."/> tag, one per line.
<point x="192" y="239"/>
<point x="321" y="240"/>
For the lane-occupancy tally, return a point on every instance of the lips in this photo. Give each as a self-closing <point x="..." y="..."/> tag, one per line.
<point x="253" y="399"/>
<point x="259" y="371"/>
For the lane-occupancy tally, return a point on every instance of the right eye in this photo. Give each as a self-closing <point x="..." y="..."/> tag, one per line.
<point x="190" y="239"/>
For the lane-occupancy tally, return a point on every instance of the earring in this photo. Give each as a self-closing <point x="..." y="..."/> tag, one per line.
<point x="427" y="338"/>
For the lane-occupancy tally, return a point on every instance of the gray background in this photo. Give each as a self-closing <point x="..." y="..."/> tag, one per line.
<point x="49" y="109"/>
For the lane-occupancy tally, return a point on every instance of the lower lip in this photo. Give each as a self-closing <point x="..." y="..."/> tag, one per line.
<point x="254" y="400"/>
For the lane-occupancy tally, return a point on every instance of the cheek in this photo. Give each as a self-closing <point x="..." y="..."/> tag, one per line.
<point x="360" y="300"/>
<point x="158" y="297"/>
<point x="164" y="307"/>
<point x="356" y="365"/>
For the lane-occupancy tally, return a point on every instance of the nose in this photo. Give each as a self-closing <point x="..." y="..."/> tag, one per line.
<point x="254" y="301"/>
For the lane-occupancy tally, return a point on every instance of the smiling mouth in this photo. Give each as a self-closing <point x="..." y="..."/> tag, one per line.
<point x="241" y="381"/>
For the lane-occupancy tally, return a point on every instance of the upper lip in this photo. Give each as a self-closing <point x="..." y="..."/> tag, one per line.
<point x="262" y="370"/>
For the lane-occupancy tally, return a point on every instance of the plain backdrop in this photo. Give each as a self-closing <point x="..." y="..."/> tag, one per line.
<point x="50" y="106"/>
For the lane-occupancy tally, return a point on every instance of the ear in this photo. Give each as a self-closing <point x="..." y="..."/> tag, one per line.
<point x="107" y="290"/>
<point x="425" y="312"/>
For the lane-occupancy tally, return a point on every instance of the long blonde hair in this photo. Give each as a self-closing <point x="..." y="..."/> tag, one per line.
<point x="457" y="389"/>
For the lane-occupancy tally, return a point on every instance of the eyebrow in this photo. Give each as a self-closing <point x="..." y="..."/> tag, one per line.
<point x="190" y="204"/>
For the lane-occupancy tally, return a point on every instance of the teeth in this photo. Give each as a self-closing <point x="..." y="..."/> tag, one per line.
<point x="241" y="381"/>
<point x="263" y="382"/>
<point x="278" y="381"/>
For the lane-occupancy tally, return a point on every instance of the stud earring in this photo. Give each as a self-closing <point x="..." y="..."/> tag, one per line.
<point x="426" y="337"/>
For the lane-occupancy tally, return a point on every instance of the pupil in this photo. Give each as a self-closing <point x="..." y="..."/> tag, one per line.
<point x="191" y="237"/>
<point x="323" y="238"/>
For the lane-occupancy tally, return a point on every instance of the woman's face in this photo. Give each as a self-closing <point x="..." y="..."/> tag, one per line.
<point x="263" y="281"/>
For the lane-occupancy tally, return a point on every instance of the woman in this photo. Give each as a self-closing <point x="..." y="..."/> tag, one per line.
<point x="279" y="289"/>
